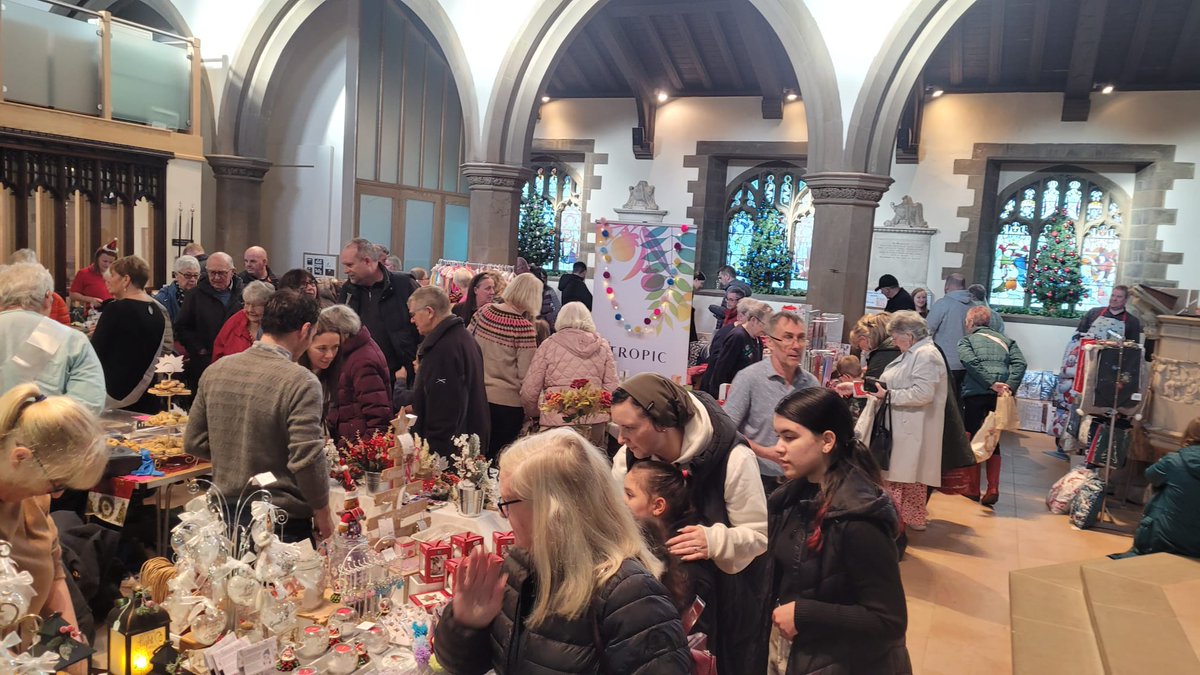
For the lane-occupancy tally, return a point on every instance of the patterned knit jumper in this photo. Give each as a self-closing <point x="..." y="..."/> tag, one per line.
<point x="508" y="342"/>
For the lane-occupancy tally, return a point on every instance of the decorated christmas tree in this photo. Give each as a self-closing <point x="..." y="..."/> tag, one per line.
<point x="535" y="236"/>
<point x="1054" y="276"/>
<point x="768" y="265"/>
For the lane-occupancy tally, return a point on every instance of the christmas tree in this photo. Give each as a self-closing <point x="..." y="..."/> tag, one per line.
<point x="768" y="265"/>
<point x="535" y="236"/>
<point x="1054" y="277"/>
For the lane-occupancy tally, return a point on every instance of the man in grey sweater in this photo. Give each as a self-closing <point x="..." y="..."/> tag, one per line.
<point x="257" y="416"/>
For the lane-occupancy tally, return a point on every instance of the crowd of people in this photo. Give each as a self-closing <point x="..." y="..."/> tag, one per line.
<point x="755" y="508"/>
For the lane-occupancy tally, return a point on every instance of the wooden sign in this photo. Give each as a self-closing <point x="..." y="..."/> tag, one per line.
<point x="394" y="473"/>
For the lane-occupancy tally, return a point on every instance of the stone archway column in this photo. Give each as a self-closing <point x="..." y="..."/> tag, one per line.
<point x="239" y="202"/>
<point x="844" y="221"/>
<point x="495" y="209"/>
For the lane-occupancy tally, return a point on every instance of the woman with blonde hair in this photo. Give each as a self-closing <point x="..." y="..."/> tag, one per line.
<point x="579" y="591"/>
<point x="923" y="299"/>
<point x="48" y="444"/>
<point x="573" y="353"/>
<point x="870" y="336"/>
<point x="508" y="340"/>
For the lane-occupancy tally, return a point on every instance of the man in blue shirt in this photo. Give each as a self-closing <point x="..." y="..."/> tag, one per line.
<point x="758" y="388"/>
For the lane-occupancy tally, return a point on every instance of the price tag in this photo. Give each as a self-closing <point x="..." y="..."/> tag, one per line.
<point x="365" y="626"/>
<point x="387" y="528"/>
<point x="263" y="479"/>
<point x="257" y="659"/>
<point x="389" y="554"/>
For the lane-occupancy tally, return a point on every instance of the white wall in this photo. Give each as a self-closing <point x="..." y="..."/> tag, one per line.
<point x="303" y="192"/>
<point x="184" y="190"/>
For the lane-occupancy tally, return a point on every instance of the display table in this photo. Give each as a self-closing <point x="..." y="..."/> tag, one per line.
<point x="443" y="517"/>
<point x="163" y="486"/>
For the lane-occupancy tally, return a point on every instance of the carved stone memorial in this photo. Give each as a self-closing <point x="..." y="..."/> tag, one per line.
<point x="901" y="246"/>
<point x="641" y="207"/>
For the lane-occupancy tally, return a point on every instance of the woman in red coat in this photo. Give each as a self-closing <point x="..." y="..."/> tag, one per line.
<point x="245" y="326"/>
<point x="361" y="387"/>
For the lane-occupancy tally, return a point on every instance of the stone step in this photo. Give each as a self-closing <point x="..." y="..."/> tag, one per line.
<point x="1051" y="626"/>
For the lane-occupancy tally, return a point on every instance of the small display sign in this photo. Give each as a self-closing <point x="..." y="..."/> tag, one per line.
<point x="321" y="264"/>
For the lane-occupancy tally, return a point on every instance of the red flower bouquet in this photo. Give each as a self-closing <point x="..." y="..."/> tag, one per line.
<point x="580" y="401"/>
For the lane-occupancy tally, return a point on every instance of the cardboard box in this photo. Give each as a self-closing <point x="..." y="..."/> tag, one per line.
<point x="1035" y="415"/>
<point x="434" y="555"/>
<point x="462" y="544"/>
<point x="414" y="585"/>
<point x="430" y="601"/>
<point x="501" y="542"/>
<point x="451" y="568"/>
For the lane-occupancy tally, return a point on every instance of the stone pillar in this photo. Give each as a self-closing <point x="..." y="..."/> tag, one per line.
<point x="495" y="210"/>
<point x="239" y="203"/>
<point x="843" y="225"/>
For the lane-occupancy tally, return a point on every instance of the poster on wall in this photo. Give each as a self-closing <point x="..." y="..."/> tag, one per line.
<point x="320" y="264"/>
<point x="643" y="295"/>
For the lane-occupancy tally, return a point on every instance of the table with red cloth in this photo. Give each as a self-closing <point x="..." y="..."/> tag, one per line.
<point x="109" y="500"/>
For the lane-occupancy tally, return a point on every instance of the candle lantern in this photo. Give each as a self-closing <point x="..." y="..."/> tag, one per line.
<point x="137" y="628"/>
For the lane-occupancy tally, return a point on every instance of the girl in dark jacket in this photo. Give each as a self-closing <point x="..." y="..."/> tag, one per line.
<point x="579" y="591"/>
<point x="360" y="396"/>
<point x="839" y="602"/>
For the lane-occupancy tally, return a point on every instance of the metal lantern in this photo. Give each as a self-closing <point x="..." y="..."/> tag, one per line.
<point x="137" y="628"/>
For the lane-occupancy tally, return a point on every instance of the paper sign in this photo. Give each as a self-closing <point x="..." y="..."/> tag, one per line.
<point x="263" y="479"/>
<point x="258" y="658"/>
<point x="414" y="488"/>
<point x="389" y="554"/>
<point x="395" y="472"/>
<point x="387" y="528"/>
<point x="387" y="498"/>
<point x="366" y="626"/>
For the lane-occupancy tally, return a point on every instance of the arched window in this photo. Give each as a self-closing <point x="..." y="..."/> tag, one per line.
<point x="771" y="197"/>
<point x="556" y="192"/>
<point x="1024" y="210"/>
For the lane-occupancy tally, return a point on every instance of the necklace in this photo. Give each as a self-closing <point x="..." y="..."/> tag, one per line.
<point x="663" y="263"/>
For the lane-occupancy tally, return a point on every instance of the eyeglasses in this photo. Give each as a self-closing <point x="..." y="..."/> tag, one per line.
<point x="503" y="505"/>
<point x="190" y="275"/>
<point x="55" y="486"/>
<point x="790" y="339"/>
<point x="219" y="273"/>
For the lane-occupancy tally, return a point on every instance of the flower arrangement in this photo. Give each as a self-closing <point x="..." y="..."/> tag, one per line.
<point x="581" y="400"/>
<point x="469" y="463"/>
<point x="371" y="454"/>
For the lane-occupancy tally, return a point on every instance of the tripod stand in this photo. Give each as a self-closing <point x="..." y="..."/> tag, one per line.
<point x="1105" y="519"/>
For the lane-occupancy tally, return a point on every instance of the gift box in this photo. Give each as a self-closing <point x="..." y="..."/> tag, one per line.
<point x="501" y="541"/>
<point x="414" y="585"/>
<point x="430" y="601"/>
<point x="462" y="544"/>
<point x="451" y="568"/>
<point x="434" y="555"/>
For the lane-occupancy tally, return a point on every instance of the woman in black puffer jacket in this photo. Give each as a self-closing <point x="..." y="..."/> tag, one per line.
<point x="578" y="593"/>
<point x="839" y="602"/>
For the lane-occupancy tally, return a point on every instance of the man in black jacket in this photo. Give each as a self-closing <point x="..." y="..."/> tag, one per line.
<point x="573" y="288"/>
<point x="898" y="298"/>
<point x="449" y="398"/>
<point x="381" y="299"/>
<point x="205" y="310"/>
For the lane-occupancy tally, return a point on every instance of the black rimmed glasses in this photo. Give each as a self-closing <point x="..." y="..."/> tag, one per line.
<point x="55" y="486"/>
<point x="789" y="339"/>
<point x="503" y="505"/>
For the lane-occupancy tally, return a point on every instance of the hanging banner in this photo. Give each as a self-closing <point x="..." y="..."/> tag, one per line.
<point x="643" y="295"/>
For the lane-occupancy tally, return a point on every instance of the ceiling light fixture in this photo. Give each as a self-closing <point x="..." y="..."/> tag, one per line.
<point x="545" y="99"/>
<point x="662" y="96"/>
<point x="792" y="96"/>
<point x="1107" y="89"/>
<point x="937" y="91"/>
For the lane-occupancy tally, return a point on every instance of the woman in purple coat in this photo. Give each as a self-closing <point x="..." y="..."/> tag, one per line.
<point x="361" y="393"/>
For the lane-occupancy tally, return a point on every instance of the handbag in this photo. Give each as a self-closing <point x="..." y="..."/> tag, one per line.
<point x="984" y="442"/>
<point x="1007" y="417"/>
<point x="881" y="434"/>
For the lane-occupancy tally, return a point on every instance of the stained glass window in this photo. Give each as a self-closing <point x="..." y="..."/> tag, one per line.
<point x="562" y="206"/>
<point x="778" y="194"/>
<point x="1022" y="220"/>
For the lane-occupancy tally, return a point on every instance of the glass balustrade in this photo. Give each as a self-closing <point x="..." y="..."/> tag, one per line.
<point x="151" y="78"/>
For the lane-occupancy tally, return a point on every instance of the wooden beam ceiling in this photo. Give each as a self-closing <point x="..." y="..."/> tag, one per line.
<point x="1137" y="44"/>
<point x="675" y="8"/>
<point x="1037" y="42"/>
<point x="664" y="56"/>
<point x="622" y="55"/>
<point x="689" y="46"/>
<point x="956" y="54"/>
<point x="612" y="82"/>
<point x="1186" y="48"/>
<point x="722" y="46"/>
<point x="768" y="79"/>
<point x="1085" y="47"/>
<point x="996" y="42"/>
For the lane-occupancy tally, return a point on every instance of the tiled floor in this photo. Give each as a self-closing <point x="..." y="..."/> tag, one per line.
<point x="956" y="573"/>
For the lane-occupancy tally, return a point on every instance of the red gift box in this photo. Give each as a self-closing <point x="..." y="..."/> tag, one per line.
<point x="429" y="601"/>
<point x="462" y="544"/>
<point x="434" y="555"/>
<point x="451" y="568"/>
<point x="501" y="541"/>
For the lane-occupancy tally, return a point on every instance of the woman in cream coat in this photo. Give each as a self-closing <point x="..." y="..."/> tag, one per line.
<point x="917" y="386"/>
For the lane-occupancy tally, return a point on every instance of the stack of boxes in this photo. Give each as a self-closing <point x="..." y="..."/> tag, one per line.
<point x="433" y="583"/>
<point x="1035" y="405"/>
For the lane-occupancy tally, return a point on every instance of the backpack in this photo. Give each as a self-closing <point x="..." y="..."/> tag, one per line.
<point x="1085" y="506"/>
<point x="1064" y="489"/>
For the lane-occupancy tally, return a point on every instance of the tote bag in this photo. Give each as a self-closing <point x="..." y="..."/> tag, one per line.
<point x="1007" y="417"/>
<point x="881" y="434"/>
<point x="984" y="442"/>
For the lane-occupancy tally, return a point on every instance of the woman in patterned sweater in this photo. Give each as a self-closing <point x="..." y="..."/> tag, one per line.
<point x="508" y="340"/>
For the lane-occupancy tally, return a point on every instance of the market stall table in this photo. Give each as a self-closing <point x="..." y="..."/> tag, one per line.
<point x="163" y="486"/>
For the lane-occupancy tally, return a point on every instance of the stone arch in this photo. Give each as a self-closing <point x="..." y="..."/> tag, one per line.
<point x="241" y="124"/>
<point x="871" y="139"/>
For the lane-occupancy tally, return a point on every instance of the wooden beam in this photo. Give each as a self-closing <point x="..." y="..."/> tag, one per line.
<point x="722" y="45"/>
<point x="668" y="64"/>
<point x="996" y="42"/>
<point x="643" y="133"/>
<point x="1185" y="48"/>
<point x="769" y="82"/>
<point x="956" y="55"/>
<point x="1085" y="47"/>
<point x="601" y="62"/>
<point x="642" y="10"/>
<point x="689" y="45"/>
<point x="1137" y="43"/>
<point x="1037" y="42"/>
<point x="571" y="72"/>
<point x="622" y="55"/>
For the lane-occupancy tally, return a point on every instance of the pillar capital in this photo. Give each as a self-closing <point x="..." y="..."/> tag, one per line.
<point x="489" y="177"/>
<point x="234" y="167"/>
<point x="847" y="188"/>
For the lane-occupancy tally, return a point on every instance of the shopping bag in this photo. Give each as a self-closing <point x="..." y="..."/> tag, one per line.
<point x="958" y="481"/>
<point x="984" y="442"/>
<point x="1007" y="418"/>
<point x="881" y="435"/>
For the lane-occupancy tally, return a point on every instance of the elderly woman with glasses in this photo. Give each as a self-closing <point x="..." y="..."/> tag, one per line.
<point x="48" y="444"/>
<point x="915" y="386"/>
<point x="245" y="326"/>
<point x="186" y="276"/>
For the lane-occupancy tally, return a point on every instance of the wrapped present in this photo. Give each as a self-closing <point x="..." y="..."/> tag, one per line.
<point x="431" y="600"/>
<point x="434" y="555"/>
<point x="462" y="544"/>
<point x="501" y="541"/>
<point x="451" y="568"/>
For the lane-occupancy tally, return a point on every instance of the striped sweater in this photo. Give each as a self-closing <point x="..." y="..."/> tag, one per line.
<point x="508" y="342"/>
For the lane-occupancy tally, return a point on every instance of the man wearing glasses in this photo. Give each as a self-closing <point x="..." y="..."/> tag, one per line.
<point x="206" y="308"/>
<point x="758" y="388"/>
